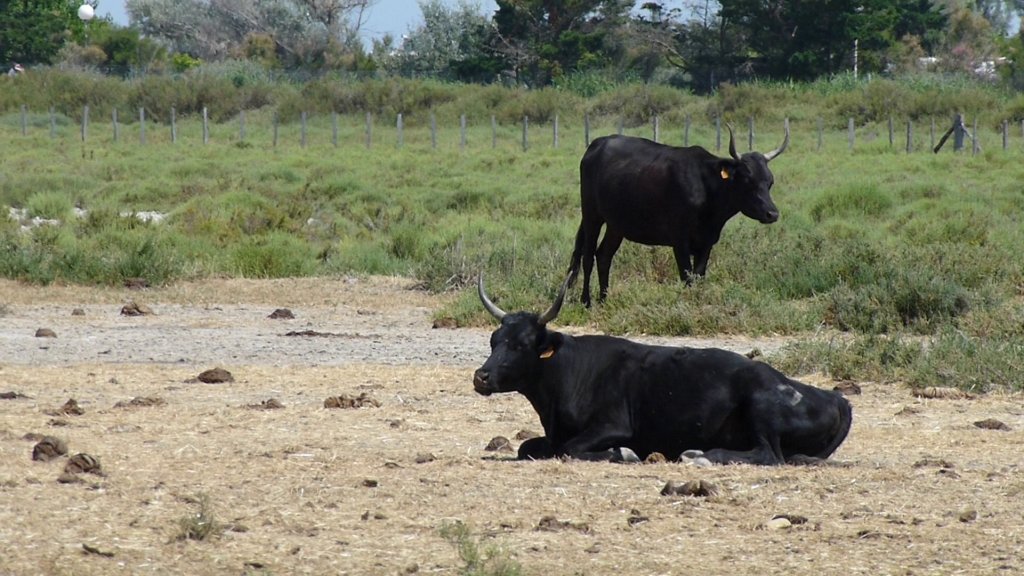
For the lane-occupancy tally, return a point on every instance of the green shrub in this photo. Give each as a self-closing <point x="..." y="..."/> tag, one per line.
<point x="479" y="561"/>
<point x="851" y="201"/>
<point x="273" y="255"/>
<point x="638" y="104"/>
<point x="973" y="364"/>
<point x="909" y="299"/>
<point x="875" y="358"/>
<point x="50" y="205"/>
<point x="146" y="254"/>
<point x="951" y="358"/>
<point x="184" y="62"/>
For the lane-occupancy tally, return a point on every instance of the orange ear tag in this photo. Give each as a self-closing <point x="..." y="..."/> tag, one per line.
<point x="547" y="353"/>
<point x="725" y="174"/>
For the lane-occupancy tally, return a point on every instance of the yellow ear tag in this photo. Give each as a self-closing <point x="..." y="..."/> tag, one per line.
<point x="725" y="174"/>
<point x="547" y="353"/>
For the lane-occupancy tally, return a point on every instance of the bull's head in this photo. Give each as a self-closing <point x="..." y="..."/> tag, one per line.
<point x="750" y="181"/>
<point x="518" y="347"/>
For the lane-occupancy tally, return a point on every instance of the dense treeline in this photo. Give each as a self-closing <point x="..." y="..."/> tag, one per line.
<point x="582" y="44"/>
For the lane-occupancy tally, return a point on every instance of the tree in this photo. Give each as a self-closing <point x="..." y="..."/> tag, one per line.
<point x="969" y="38"/>
<point x="543" y="39"/>
<point x="304" y="32"/>
<point x="804" y="39"/>
<point x="33" y="31"/>
<point x="451" y="43"/>
<point x="113" y="49"/>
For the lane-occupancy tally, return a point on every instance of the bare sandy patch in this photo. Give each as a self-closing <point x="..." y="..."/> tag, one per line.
<point x="306" y="489"/>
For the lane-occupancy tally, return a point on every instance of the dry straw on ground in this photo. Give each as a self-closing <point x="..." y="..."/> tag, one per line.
<point x="308" y="490"/>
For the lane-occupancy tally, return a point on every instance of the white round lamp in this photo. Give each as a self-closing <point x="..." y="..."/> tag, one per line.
<point x="86" y="12"/>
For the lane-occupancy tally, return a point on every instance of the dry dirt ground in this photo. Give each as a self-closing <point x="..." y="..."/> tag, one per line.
<point x="305" y="489"/>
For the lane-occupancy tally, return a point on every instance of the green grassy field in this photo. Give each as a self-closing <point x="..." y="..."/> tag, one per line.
<point x="876" y="245"/>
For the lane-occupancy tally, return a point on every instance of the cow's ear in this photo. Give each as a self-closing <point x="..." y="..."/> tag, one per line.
<point x="550" y="346"/>
<point x="726" y="170"/>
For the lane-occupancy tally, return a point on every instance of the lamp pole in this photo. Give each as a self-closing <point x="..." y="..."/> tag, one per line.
<point x="86" y="12"/>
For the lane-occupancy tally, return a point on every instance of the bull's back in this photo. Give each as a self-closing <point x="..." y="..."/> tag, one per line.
<point x="632" y="184"/>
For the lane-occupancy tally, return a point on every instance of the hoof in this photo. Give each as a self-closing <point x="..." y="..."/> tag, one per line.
<point x="626" y="456"/>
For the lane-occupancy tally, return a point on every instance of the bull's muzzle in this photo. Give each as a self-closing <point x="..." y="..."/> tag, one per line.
<point x="481" y="382"/>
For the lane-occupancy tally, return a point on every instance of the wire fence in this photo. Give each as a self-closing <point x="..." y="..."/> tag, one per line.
<point x="374" y="131"/>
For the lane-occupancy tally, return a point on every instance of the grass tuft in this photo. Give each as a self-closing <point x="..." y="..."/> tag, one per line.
<point x="479" y="560"/>
<point x="200" y="525"/>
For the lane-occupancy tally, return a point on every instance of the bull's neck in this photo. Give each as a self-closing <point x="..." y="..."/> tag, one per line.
<point x="557" y="384"/>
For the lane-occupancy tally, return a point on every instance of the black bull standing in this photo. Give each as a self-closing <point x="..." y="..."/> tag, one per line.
<point x="606" y="398"/>
<point x="662" y="195"/>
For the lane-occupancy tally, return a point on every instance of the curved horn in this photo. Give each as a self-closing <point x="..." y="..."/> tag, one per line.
<point x="732" y="143"/>
<point x="785" y="142"/>
<point x="490" y="306"/>
<point x="553" y="311"/>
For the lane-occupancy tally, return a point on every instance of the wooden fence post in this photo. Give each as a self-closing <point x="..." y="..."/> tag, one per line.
<point x="932" y="134"/>
<point x="958" y="130"/>
<point x="891" y="135"/>
<point x="399" y="127"/>
<point x="494" y="132"/>
<point x="686" y="130"/>
<point x="117" y="127"/>
<point x="53" y="124"/>
<point x="1006" y="136"/>
<point x="850" y="132"/>
<point x="657" y="135"/>
<point x="174" y="126"/>
<point x="958" y="133"/>
<point x="334" y="129"/>
<point x="276" y="121"/>
<point x="24" y="120"/>
<point x="462" y="132"/>
<point x="369" y="130"/>
<point x="206" y="125"/>
<point x="622" y="126"/>
<point x="526" y="128"/>
<point x="910" y="136"/>
<point x="241" y="126"/>
<point x="586" y="130"/>
<point x="718" y="133"/>
<point x="975" y="145"/>
<point x="433" y="130"/>
<point x="750" y="134"/>
<point x="85" y="122"/>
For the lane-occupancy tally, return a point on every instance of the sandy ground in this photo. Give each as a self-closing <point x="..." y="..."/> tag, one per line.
<point x="310" y="490"/>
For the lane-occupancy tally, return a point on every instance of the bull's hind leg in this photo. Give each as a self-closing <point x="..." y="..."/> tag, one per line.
<point x="590" y="231"/>
<point x="609" y="245"/>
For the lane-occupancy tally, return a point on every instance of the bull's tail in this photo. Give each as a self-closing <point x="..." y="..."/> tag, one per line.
<point x="845" y="422"/>
<point x="577" y="258"/>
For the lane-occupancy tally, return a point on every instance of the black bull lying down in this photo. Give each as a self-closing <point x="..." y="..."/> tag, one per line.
<point x="607" y="398"/>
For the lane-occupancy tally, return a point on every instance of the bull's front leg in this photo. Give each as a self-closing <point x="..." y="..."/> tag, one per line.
<point x="701" y="255"/>
<point x="766" y="453"/>
<point x="682" y="253"/>
<point x="538" y="448"/>
<point x="603" y="443"/>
